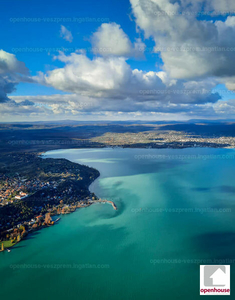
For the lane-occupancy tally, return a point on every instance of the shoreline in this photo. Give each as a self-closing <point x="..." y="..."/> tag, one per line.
<point x="71" y="209"/>
<point x="77" y="204"/>
<point x="56" y="221"/>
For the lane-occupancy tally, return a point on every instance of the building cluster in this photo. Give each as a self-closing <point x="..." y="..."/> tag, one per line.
<point x="16" y="233"/>
<point x="19" y="230"/>
<point x="164" y="139"/>
<point x="17" y="188"/>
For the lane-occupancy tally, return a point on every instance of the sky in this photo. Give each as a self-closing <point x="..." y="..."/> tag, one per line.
<point x="117" y="60"/>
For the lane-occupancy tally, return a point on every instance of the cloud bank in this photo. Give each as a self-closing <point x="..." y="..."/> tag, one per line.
<point x="190" y="47"/>
<point x="195" y="40"/>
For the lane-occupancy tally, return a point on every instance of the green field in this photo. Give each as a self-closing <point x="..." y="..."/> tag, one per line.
<point x="7" y="244"/>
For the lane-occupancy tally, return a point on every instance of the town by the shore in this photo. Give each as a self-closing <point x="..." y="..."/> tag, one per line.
<point x="36" y="191"/>
<point x="16" y="235"/>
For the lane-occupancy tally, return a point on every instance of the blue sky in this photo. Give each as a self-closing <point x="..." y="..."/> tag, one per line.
<point x="132" y="80"/>
<point x="30" y="41"/>
<point x="23" y="34"/>
<point x="45" y="35"/>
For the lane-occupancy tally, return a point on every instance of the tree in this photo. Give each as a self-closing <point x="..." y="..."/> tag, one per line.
<point x="48" y="218"/>
<point x="22" y="228"/>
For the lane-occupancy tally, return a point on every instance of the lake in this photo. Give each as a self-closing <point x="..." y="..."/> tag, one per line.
<point x="175" y="212"/>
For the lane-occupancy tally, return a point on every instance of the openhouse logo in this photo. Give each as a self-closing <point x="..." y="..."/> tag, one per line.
<point x="214" y="280"/>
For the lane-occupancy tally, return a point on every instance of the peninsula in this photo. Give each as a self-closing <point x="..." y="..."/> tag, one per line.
<point x="34" y="189"/>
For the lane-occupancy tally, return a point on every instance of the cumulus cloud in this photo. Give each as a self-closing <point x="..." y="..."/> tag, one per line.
<point x="66" y="34"/>
<point x="110" y="39"/>
<point x="213" y="7"/>
<point x="109" y="85"/>
<point x="190" y="47"/>
<point x="10" y="64"/>
<point x="12" y="72"/>
<point x="113" y="78"/>
<point x="196" y="55"/>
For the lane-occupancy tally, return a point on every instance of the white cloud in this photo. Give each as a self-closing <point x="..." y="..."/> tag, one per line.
<point x="10" y="64"/>
<point x="66" y="34"/>
<point x="73" y="105"/>
<point x="195" y="59"/>
<point x="111" y="40"/>
<point x="112" y="78"/>
<point x="190" y="47"/>
<point x="12" y="72"/>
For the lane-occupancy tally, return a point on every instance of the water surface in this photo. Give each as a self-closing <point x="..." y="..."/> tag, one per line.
<point x="175" y="210"/>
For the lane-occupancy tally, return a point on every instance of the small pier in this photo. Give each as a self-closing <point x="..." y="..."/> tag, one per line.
<point x="107" y="201"/>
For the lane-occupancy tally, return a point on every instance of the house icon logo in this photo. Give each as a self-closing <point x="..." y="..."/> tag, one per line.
<point x="214" y="280"/>
<point x="219" y="277"/>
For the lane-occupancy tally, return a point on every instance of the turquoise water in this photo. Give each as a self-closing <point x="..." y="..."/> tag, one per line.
<point x="139" y="251"/>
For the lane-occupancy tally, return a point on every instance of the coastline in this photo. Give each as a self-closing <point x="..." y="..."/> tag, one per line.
<point x="69" y="208"/>
<point x="78" y="203"/>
